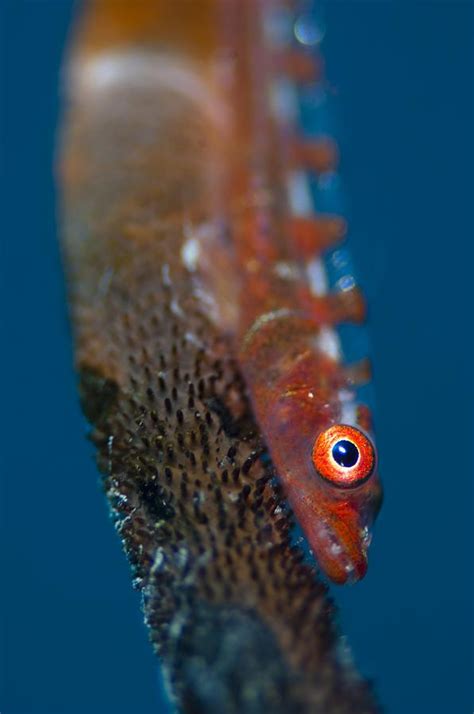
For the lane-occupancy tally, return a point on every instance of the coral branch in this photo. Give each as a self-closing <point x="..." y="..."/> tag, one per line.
<point x="240" y="624"/>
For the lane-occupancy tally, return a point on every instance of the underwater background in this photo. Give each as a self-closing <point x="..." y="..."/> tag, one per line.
<point x="72" y="633"/>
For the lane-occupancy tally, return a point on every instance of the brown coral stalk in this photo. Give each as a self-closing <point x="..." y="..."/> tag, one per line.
<point x="240" y="624"/>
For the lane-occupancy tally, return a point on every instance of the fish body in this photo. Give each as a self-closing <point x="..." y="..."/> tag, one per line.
<point x="318" y="434"/>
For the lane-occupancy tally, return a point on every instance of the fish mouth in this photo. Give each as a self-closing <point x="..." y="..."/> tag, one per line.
<point x="342" y="553"/>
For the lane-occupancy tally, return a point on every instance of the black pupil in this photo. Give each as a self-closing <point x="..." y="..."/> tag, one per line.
<point x="345" y="453"/>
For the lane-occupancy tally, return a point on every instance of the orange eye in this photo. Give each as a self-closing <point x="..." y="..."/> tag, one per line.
<point x="344" y="456"/>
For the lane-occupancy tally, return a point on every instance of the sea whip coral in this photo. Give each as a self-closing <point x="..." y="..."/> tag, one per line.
<point x="239" y="622"/>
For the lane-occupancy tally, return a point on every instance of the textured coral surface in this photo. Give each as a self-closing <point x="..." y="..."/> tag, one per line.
<point x="240" y="623"/>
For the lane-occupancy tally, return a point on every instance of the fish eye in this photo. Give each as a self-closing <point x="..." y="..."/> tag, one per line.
<point x="344" y="456"/>
<point x="345" y="453"/>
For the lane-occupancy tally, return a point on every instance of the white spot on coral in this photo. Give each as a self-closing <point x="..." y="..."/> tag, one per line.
<point x="165" y="275"/>
<point x="147" y="70"/>
<point x="182" y="557"/>
<point x="104" y="282"/>
<point x="158" y="562"/>
<point x="176" y="309"/>
<point x="194" y="339"/>
<point x="190" y="253"/>
<point x="287" y="271"/>
<point x="176" y="626"/>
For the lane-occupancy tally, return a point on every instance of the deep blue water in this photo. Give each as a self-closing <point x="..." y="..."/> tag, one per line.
<point x="73" y="638"/>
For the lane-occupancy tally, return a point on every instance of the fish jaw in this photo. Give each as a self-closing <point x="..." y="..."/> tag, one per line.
<point x="340" y="552"/>
<point x="338" y="529"/>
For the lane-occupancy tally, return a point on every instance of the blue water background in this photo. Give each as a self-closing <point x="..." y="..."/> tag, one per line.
<point x="72" y="635"/>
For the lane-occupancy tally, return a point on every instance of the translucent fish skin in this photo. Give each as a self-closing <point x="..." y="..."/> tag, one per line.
<point x="297" y="381"/>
